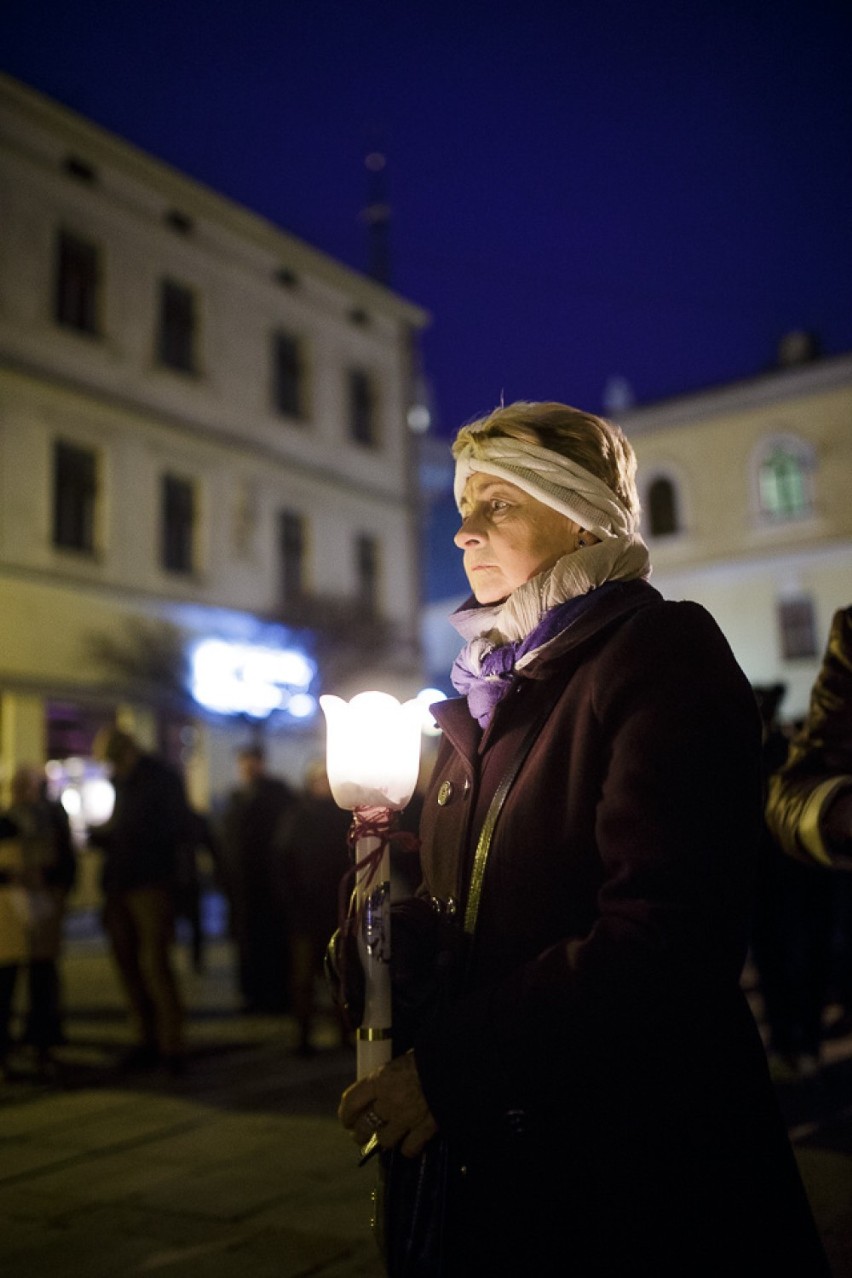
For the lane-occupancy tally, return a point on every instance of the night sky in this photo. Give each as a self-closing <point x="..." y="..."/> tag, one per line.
<point x="653" y="191"/>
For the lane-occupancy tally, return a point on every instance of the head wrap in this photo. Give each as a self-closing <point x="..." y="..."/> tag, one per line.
<point x="552" y="479"/>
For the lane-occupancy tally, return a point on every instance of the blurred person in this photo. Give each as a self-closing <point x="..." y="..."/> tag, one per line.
<point x="404" y="850"/>
<point x="37" y="870"/>
<point x="313" y="840"/>
<point x="809" y="802"/>
<point x="791" y="929"/>
<point x="201" y="846"/>
<point x="251" y="877"/>
<point x="585" y="1089"/>
<point x="142" y="843"/>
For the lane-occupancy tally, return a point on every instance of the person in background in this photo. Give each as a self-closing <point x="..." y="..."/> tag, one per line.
<point x="200" y="848"/>
<point x="142" y="844"/>
<point x="809" y="800"/>
<point x="37" y="871"/>
<point x="251" y="877"/>
<point x="313" y="844"/>
<point x="791" y="929"/>
<point x="586" y="1090"/>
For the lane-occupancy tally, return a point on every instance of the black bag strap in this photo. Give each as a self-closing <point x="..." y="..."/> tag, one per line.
<point x="486" y="834"/>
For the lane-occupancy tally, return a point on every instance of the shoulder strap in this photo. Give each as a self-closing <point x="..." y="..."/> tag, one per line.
<point x="483" y="845"/>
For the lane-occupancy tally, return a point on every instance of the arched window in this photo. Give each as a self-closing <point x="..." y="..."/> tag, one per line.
<point x="663" y="507"/>
<point x="784" y="479"/>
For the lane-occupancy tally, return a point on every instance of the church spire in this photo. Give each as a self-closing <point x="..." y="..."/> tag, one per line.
<point x="377" y="217"/>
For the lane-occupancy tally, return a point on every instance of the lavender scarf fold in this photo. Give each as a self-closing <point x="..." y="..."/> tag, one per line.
<point x="488" y="685"/>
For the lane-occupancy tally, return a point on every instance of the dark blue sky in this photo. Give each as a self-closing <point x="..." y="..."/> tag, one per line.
<point x="655" y="190"/>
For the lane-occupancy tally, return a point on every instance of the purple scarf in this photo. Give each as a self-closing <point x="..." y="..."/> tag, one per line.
<point x="487" y="686"/>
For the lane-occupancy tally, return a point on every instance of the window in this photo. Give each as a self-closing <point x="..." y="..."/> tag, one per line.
<point x="176" y="337"/>
<point x="291" y="552"/>
<point x="784" y="480"/>
<point x="80" y="169"/>
<point x="177" y="524"/>
<point x="75" y="491"/>
<point x="367" y="573"/>
<point x="179" y="222"/>
<point x="662" y="507"/>
<point x="288" y="375"/>
<point x="362" y="407"/>
<point x="797" y="628"/>
<point x="77" y="284"/>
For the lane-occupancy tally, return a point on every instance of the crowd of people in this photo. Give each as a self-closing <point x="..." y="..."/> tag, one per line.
<point x="277" y="854"/>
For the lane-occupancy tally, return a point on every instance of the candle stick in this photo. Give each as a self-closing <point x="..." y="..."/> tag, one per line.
<point x="373" y="758"/>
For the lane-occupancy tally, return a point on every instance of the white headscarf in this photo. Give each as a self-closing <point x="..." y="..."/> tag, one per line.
<point x="551" y="478"/>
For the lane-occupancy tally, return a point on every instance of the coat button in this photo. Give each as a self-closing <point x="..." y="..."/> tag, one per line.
<point x="445" y="793"/>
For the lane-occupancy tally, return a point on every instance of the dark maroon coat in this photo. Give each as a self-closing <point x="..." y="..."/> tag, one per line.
<point x="600" y="1077"/>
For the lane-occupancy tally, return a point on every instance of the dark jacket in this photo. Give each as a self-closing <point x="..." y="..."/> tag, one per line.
<point x="44" y="824"/>
<point x="150" y="822"/>
<point x="818" y="770"/>
<point x="249" y="832"/>
<point x="600" y="1076"/>
<point x="312" y="840"/>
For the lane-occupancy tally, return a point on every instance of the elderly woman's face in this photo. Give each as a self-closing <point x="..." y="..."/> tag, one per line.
<point x="508" y="537"/>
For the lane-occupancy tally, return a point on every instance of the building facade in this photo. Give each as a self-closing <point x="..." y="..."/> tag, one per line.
<point x="208" y="499"/>
<point x="746" y="493"/>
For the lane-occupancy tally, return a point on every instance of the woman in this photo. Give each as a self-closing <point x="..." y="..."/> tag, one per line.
<point x="596" y="1079"/>
<point x="37" y="871"/>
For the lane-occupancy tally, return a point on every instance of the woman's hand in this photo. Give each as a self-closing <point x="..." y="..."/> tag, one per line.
<point x="393" y="1095"/>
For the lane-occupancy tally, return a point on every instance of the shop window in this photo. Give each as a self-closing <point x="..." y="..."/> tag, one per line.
<point x="176" y="338"/>
<point x="663" y="514"/>
<point x="75" y="492"/>
<point x="178" y="524"/>
<point x="797" y="629"/>
<point x="77" y="283"/>
<point x="291" y="555"/>
<point x="288" y="375"/>
<point x="784" y="482"/>
<point x="367" y="573"/>
<point x="362" y="407"/>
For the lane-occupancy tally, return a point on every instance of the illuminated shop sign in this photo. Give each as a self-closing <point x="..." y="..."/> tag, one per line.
<point x="241" y="678"/>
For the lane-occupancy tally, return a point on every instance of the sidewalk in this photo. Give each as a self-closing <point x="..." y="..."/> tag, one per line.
<point x="236" y="1168"/>
<point x="239" y="1167"/>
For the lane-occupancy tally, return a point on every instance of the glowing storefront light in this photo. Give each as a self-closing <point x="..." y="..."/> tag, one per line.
<point x="235" y="678"/>
<point x="85" y="792"/>
<point x="302" y="705"/>
<point x="427" y="697"/>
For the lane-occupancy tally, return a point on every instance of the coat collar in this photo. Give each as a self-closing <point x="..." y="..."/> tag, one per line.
<point x="453" y="716"/>
<point x="625" y="599"/>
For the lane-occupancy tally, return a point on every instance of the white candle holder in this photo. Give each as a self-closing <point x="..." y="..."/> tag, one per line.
<point x="373" y="760"/>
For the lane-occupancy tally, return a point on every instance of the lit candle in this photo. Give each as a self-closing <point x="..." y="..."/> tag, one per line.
<point x="373" y="760"/>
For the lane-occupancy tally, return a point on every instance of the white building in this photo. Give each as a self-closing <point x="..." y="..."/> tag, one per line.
<point x="747" y="508"/>
<point x="202" y="436"/>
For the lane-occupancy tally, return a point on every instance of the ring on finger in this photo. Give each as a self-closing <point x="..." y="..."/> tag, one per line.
<point x="374" y="1120"/>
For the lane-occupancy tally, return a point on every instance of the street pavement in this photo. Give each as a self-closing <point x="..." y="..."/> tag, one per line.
<point x="238" y="1166"/>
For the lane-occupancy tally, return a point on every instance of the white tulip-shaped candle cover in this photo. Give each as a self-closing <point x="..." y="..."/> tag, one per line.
<point x="373" y="760"/>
